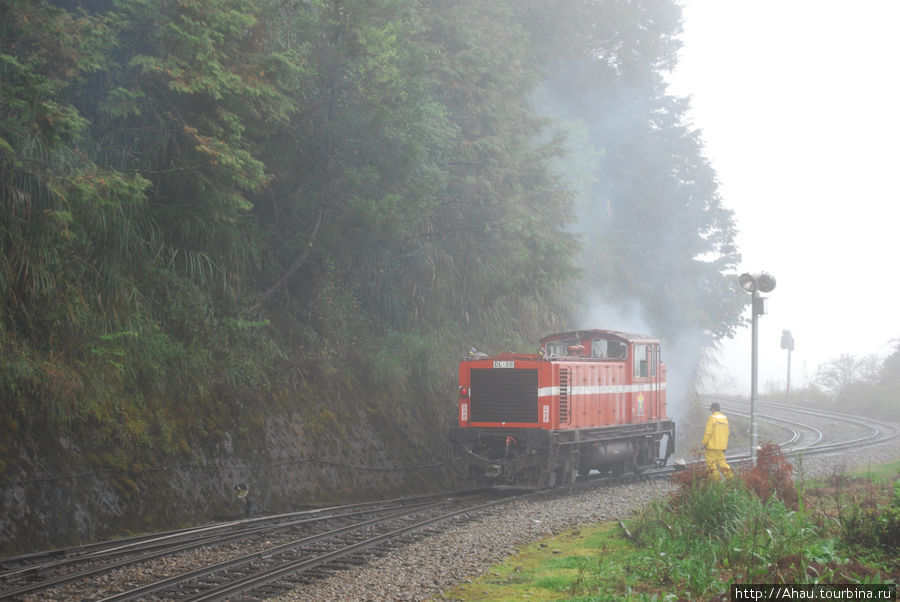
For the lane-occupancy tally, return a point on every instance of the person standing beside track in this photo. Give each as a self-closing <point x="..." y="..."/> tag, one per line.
<point x="715" y="442"/>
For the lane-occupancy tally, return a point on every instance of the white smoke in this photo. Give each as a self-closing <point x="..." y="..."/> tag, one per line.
<point x="682" y="353"/>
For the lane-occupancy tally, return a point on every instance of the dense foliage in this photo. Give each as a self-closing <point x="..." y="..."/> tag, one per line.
<point x="210" y="205"/>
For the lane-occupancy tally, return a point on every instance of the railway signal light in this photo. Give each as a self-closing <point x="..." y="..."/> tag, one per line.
<point x="755" y="283"/>
<point x="787" y="342"/>
<point x="763" y="282"/>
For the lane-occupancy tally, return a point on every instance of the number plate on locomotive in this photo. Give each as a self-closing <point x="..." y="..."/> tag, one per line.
<point x="506" y="364"/>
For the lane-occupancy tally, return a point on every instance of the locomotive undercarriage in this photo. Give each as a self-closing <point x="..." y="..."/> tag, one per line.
<point x="540" y="459"/>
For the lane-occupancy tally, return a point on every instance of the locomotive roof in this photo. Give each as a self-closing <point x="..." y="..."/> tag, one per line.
<point x="596" y="332"/>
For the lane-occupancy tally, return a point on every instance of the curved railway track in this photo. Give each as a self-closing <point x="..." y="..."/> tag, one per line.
<point x="263" y="557"/>
<point x="808" y="439"/>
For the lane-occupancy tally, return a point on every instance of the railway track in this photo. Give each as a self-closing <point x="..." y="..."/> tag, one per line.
<point x="808" y="439"/>
<point x="273" y="554"/>
<point x="301" y="546"/>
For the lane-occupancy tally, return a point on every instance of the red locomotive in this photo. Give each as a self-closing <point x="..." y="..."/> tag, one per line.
<point x="591" y="399"/>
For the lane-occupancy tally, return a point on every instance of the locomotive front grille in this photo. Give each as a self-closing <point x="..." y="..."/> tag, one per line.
<point x="502" y="395"/>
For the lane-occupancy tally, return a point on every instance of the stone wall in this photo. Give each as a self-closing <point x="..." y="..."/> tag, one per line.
<point x="60" y="500"/>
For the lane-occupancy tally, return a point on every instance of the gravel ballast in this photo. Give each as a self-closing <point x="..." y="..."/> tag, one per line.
<point x="423" y="569"/>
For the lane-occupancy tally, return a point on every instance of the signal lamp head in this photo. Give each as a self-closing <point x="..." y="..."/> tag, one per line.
<point x="759" y="281"/>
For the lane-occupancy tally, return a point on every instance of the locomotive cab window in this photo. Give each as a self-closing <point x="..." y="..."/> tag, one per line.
<point x="604" y="348"/>
<point x="556" y="349"/>
<point x="645" y="360"/>
<point x="564" y="348"/>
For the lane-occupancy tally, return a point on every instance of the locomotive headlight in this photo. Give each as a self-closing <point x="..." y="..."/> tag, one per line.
<point x="463" y="392"/>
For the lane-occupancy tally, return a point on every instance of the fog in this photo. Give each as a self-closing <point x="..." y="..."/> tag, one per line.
<point x="797" y="102"/>
<point x="795" y="108"/>
<point x="681" y="355"/>
<point x="638" y="213"/>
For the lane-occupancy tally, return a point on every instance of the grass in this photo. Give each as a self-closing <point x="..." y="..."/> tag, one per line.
<point x="889" y="472"/>
<point x="758" y="528"/>
<point x="552" y="569"/>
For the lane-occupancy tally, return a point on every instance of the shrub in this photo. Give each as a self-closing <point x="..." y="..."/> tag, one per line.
<point x="888" y="532"/>
<point x="772" y="475"/>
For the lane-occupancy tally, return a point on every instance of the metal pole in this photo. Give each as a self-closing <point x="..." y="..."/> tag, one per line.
<point x="789" y="372"/>
<point x="754" y="370"/>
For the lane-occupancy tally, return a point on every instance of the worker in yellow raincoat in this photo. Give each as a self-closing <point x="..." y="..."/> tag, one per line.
<point x="715" y="442"/>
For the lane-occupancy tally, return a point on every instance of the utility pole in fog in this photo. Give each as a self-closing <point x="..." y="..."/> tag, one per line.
<point x="787" y="342"/>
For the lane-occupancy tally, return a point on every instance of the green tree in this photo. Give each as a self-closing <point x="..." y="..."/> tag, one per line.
<point x="420" y="202"/>
<point x="503" y="217"/>
<point x="211" y="208"/>
<point x="48" y="185"/>
<point x="191" y="84"/>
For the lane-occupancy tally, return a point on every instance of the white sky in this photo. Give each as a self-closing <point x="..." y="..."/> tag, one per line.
<point x="799" y="104"/>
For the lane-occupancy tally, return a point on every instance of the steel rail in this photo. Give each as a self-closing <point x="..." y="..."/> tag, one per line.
<point x="47" y="560"/>
<point x="216" y="535"/>
<point x="252" y="582"/>
<point x="877" y="431"/>
<point x="165" y="584"/>
<point x="788" y="425"/>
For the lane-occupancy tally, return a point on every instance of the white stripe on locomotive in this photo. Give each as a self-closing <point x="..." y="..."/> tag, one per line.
<point x="601" y="389"/>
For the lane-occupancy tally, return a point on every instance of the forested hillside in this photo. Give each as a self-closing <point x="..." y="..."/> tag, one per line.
<point x="216" y="213"/>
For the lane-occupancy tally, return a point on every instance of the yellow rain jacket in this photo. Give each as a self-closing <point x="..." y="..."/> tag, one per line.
<point x="716" y="434"/>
